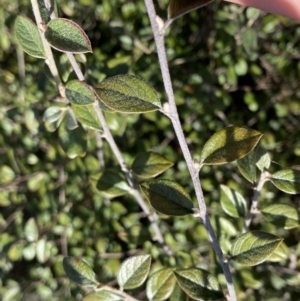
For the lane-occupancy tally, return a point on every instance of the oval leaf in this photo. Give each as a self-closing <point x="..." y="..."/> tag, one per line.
<point x="161" y="285"/>
<point x="287" y="180"/>
<point x="199" y="284"/>
<point x="31" y="230"/>
<point x="263" y="159"/>
<point x="148" y="165"/>
<point x="280" y="254"/>
<point x="79" y="271"/>
<point x="128" y="94"/>
<point x="233" y="203"/>
<point x="67" y="36"/>
<point x="87" y="115"/>
<point x="73" y="142"/>
<point x="134" y="271"/>
<point x="112" y="184"/>
<point x="167" y="197"/>
<point x="103" y="295"/>
<point x="178" y="7"/>
<point x="281" y="215"/>
<point x="254" y="247"/>
<point x="53" y="114"/>
<point x="79" y="93"/>
<point x="28" y="36"/>
<point x="247" y="167"/>
<point x="229" y="144"/>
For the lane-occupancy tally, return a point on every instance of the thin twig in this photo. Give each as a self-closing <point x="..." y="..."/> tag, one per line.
<point x="107" y="134"/>
<point x="264" y="176"/>
<point x="48" y="52"/>
<point x="159" y="41"/>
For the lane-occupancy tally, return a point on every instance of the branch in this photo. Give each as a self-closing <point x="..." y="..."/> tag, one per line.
<point x="159" y="41"/>
<point x="107" y="134"/>
<point x="254" y="202"/>
<point x="48" y="52"/>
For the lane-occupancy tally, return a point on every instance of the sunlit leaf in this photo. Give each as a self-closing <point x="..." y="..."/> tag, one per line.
<point x="53" y="114"/>
<point x="233" y="203"/>
<point x="87" y="115"/>
<point x="282" y="215"/>
<point x="112" y="184"/>
<point x="134" y="271"/>
<point x="79" y="271"/>
<point x="263" y="159"/>
<point x="28" y="36"/>
<point x="31" y="230"/>
<point x="280" y="254"/>
<point x="79" y="93"/>
<point x="179" y="7"/>
<point x="247" y="166"/>
<point x="161" y="285"/>
<point x="103" y="295"/>
<point x="128" y="94"/>
<point x="254" y="247"/>
<point x="67" y="36"/>
<point x="229" y="144"/>
<point x="167" y="197"/>
<point x="287" y="180"/>
<point x="148" y="164"/>
<point x="199" y="284"/>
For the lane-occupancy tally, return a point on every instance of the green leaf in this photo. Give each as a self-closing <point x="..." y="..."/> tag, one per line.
<point x="134" y="271"/>
<point x="280" y="254"/>
<point x="112" y="184"/>
<point x="148" y="165"/>
<point x="247" y="166"/>
<point x="31" y="230"/>
<point x="254" y="247"/>
<point x="53" y="114"/>
<point x="87" y="115"/>
<point x="42" y="250"/>
<point x="167" y="197"/>
<point x="229" y="144"/>
<point x="161" y="285"/>
<point x="287" y="180"/>
<point x="79" y="271"/>
<point x="233" y="203"/>
<point x="103" y="295"/>
<point x="128" y="94"/>
<point x="73" y="142"/>
<point x="178" y="8"/>
<point x="29" y="38"/>
<point x="199" y="284"/>
<point x="67" y="36"/>
<point x="281" y="215"/>
<point x="263" y="159"/>
<point x="79" y="93"/>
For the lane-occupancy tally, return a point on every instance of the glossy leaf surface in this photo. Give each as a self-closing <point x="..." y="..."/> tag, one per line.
<point x="79" y="93"/>
<point x="161" y="285"/>
<point x="287" y="180"/>
<point x="167" y="197"/>
<point x="67" y="36"/>
<point x="86" y="114"/>
<point x="28" y="36"/>
<point x="282" y="215"/>
<point x="112" y="184"/>
<point x="228" y="145"/>
<point x="128" y="94"/>
<point x="79" y="271"/>
<point x="233" y="203"/>
<point x="179" y="7"/>
<point x="148" y="165"/>
<point x="103" y="295"/>
<point x="199" y="284"/>
<point x="247" y="166"/>
<point x="134" y="271"/>
<point x="254" y="247"/>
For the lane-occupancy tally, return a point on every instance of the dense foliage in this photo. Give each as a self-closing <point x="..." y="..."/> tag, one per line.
<point x="229" y="65"/>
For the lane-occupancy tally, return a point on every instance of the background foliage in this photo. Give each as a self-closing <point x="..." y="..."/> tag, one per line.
<point x="230" y="65"/>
